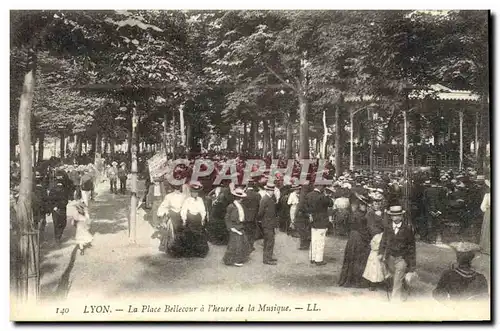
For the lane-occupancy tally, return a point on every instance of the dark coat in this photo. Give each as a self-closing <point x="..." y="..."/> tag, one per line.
<point x="267" y="212"/>
<point x="459" y="284"/>
<point x="317" y="206"/>
<point x="232" y="218"/>
<point x="401" y="244"/>
<point x="58" y="197"/>
<point x="251" y="205"/>
<point x="40" y="200"/>
<point x="434" y="198"/>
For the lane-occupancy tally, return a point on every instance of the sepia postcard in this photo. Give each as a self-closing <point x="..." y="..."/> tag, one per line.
<point x="250" y="165"/>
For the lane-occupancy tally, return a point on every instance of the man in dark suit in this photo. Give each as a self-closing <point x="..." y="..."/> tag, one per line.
<point x="57" y="201"/>
<point x="251" y="205"/>
<point x="397" y="249"/>
<point x="267" y="217"/>
<point x="317" y="204"/>
<point x="40" y="203"/>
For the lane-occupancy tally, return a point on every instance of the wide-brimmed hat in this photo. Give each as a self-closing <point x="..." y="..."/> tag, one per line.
<point x="464" y="246"/>
<point x="346" y="186"/>
<point x="114" y="163"/>
<point x="330" y="188"/>
<point x="195" y="186"/>
<point x="395" y="210"/>
<point x="238" y="192"/>
<point x="364" y="199"/>
<point x="376" y="196"/>
<point x="295" y="186"/>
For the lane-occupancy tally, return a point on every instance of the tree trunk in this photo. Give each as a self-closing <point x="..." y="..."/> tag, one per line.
<point x="245" y="137"/>
<point x="112" y="146"/>
<point x="303" y="127"/>
<point x="181" y="124"/>
<point x="40" y="147"/>
<point x="267" y="138"/>
<point x="137" y="142"/>
<point x="289" y="137"/>
<point x="133" y="179"/>
<point x="189" y="137"/>
<point x="338" y="142"/>
<point x="33" y="156"/>
<point x="253" y="129"/>
<point x="61" y="145"/>
<point x="78" y="146"/>
<point x="165" y="133"/>
<point x="325" y="136"/>
<point x="129" y="143"/>
<point x="371" y="134"/>
<point x="174" y="137"/>
<point x="28" y="250"/>
<point x="274" y="143"/>
<point x="98" y="143"/>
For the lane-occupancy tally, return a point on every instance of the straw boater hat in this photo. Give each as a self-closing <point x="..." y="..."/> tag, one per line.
<point x="114" y="163"/>
<point x="238" y="192"/>
<point x="395" y="210"/>
<point x="269" y="187"/>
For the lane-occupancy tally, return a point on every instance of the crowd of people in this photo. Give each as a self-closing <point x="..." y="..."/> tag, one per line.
<point x="366" y="208"/>
<point x="64" y="192"/>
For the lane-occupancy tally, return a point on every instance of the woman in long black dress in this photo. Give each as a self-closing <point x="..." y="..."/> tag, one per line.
<point x="193" y="215"/>
<point x="238" y="248"/>
<point x="358" y="246"/>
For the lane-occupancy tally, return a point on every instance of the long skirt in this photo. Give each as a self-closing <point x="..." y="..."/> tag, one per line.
<point x="170" y="236"/>
<point x="237" y="250"/>
<point x="484" y="241"/>
<point x="217" y="231"/>
<point x="194" y="238"/>
<point x="355" y="257"/>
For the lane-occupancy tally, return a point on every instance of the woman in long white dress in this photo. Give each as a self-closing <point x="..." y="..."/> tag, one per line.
<point x="78" y="212"/>
<point x="484" y="241"/>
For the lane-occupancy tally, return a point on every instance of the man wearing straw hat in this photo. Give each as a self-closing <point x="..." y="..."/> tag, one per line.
<point x="462" y="282"/>
<point x="398" y="249"/>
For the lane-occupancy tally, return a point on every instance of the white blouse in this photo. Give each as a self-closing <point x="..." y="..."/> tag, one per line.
<point x="193" y="206"/>
<point x="485" y="205"/>
<point x="172" y="201"/>
<point x="241" y="213"/>
<point x="293" y="198"/>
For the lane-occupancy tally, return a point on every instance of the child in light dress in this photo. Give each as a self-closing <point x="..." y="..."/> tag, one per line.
<point x="79" y="214"/>
<point x="375" y="270"/>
